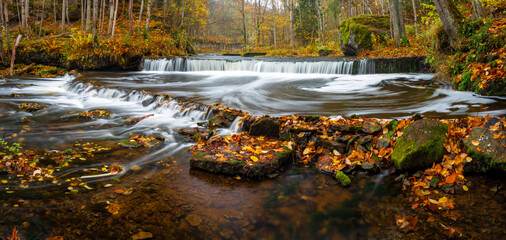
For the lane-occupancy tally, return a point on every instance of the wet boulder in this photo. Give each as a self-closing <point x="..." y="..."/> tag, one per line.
<point x="421" y="145"/>
<point x="487" y="147"/>
<point x="267" y="126"/>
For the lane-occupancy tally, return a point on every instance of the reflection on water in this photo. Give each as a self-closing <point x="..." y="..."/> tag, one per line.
<point x="173" y="202"/>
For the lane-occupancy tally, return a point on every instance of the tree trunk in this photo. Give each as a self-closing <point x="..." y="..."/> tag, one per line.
<point x="54" y="14"/>
<point x="115" y="17"/>
<point x="63" y="8"/>
<point x="274" y="11"/>
<point x="95" y="21"/>
<point x="67" y="16"/>
<point x="148" y="13"/>
<point x="27" y="16"/>
<point x="82" y="15"/>
<point x="182" y="13"/>
<point x="478" y="10"/>
<point x="42" y="17"/>
<point x="2" y="54"/>
<point x="164" y="13"/>
<point x="6" y="26"/>
<point x="102" y="16"/>
<point x="292" y="23"/>
<point x="88" y="15"/>
<point x="23" y="19"/>
<point x="416" y="18"/>
<point x="111" y="16"/>
<point x="140" y="16"/>
<point x="131" y="16"/>
<point x="451" y="19"/>
<point x="397" y="21"/>
<point x="13" y="57"/>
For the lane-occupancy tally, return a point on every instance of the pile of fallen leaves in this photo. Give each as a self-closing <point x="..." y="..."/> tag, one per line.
<point x="242" y="147"/>
<point x="485" y="69"/>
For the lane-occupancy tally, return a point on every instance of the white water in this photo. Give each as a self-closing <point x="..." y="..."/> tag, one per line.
<point x="304" y="67"/>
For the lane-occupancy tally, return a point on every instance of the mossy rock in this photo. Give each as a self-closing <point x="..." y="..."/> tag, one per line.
<point x="421" y="145"/>
<point x="343" y="179"/>
<point x="268" y="127"/>
<point x="356" y="33"/>
<point x="232" y="166"/>
<point x="489" y="151"/>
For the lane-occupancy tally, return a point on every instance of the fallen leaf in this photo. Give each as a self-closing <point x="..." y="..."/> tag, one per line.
<point x="475" y="142"/>
<point x="255" y="159"/>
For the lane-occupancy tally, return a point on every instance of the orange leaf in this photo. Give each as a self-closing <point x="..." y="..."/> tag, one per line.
<point x="451" y="179"/>
<point x="475" y="142"/>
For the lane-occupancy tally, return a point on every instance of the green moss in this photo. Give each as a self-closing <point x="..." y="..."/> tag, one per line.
<point x="421" y="144"/>
<point x="236" y="162"/>
<point x="283" y="155"/>
<point x="343" y="179"/>
<point x="200" y="156"/>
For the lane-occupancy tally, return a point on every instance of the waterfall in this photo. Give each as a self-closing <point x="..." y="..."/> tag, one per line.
<point x="157" y="103"/>
<point x="304" y="67"/>
<point x="366" y="67"/>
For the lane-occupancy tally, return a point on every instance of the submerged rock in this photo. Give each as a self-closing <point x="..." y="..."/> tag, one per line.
<point x="421" y="145"/>
<point x="484" y="147"/>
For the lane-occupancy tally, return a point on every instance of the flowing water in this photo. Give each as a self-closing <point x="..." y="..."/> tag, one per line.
<point x="172" y="201"/>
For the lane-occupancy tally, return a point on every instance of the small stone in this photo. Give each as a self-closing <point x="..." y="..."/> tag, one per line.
<point x="365" y="140"/>
<point x="370" y="127"/>
<point x="193" y="220"/>
<point x="368" y="166"/>
<point x="384" y="142"/>
<point x="142" y="235"/>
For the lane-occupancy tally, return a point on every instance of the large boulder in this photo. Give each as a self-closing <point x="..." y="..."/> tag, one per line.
<point x="484" y="147"/>
<point x="421" y="145"/>
<point x="356" y="33"/>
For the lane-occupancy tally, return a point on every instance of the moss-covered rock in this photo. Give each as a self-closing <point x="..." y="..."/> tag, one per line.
<point x="268" y="127"/>
<point x="421" y="145"/>
<point x="343" y="179"/>
<point x="356" y="33"/>
<point x="482" y="146"/>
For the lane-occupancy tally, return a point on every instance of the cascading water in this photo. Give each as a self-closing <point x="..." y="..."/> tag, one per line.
<point x="304" y="67"/>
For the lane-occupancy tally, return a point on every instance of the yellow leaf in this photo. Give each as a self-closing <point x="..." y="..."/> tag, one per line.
<point x="465" y="188"/>
<point x="475" y="142"/>
<point x="255" y="159"/>
<point x="306" y="151"/>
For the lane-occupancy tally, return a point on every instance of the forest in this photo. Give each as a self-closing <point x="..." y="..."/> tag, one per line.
<point x="252" y="119"/>
<point x="117" y="34"/>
